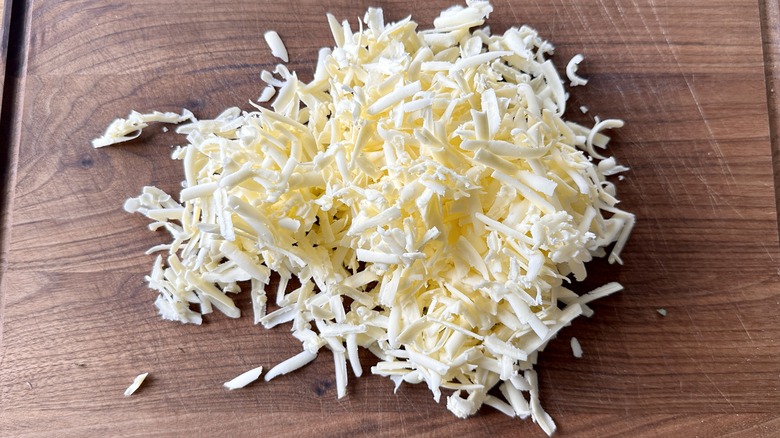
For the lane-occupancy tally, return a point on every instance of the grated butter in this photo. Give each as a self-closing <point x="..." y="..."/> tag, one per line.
<point x="428" y="177"/>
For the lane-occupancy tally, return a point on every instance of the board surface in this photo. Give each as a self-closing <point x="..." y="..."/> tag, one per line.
<point x="77" y="321"/>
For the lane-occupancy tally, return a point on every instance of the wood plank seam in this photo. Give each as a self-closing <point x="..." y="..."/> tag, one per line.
<point x="770" y="36"/>
<point x="10" y="126"/>
<point x="5" y="16"/>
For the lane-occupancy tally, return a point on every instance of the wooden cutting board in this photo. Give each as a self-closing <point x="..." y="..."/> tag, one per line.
<point x="692" y="80"/>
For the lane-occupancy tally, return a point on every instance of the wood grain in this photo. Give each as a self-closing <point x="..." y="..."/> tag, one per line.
<point x="385" y="424"/>
<point x="770" y="30"/>
<point x="78" y="323"/>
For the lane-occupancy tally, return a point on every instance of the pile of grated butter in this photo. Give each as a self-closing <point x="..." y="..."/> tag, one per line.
<point x="423" y="188"/>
